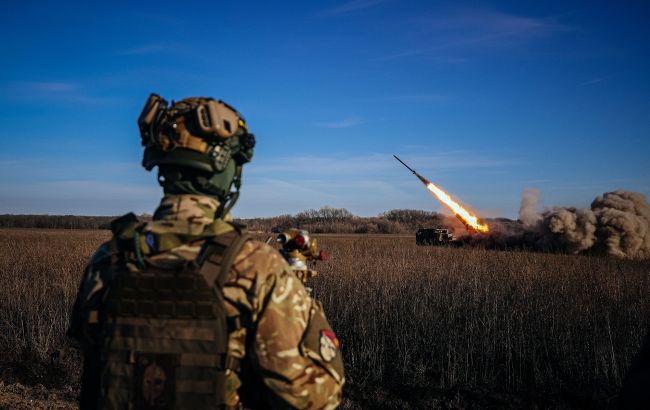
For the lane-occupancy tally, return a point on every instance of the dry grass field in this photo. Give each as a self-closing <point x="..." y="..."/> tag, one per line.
<point x="421" y="327"/>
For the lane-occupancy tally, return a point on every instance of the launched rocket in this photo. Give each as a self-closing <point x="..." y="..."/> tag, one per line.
<point x="423" y="179"/>
<point x="471" y="221"/>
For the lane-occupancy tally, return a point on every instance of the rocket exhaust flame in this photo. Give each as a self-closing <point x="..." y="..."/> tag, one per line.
<point x="470" y="220"/>
<point x="462" y="213"/>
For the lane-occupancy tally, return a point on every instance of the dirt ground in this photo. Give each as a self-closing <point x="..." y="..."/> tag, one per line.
<point x="17" y="396"/>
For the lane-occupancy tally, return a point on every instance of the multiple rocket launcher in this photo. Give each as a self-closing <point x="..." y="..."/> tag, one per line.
<point x="471" y="222"/>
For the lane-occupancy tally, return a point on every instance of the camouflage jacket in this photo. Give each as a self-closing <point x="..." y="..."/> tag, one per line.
<point x="290" y="357"/>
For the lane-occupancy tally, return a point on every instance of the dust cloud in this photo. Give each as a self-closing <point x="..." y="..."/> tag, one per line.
<point x="617" y="223"/>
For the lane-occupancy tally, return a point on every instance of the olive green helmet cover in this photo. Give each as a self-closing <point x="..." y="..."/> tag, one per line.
<point x="199" y="145"/>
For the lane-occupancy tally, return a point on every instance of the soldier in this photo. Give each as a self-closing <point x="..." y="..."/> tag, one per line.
<point x="186" y="311"/>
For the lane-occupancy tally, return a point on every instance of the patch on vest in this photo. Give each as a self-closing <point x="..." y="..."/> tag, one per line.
<point x="155" y="381"/>
<point x="151" y="241"/>
<point x="329" y="345"/>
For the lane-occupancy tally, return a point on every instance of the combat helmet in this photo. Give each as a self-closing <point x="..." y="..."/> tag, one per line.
<point x="199" y="145"/>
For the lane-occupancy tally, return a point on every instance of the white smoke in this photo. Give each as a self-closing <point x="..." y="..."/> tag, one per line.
<point x="528" y="213"/>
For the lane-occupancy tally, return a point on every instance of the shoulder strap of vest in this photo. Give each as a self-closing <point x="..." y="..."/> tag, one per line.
<point x="124" y="226"/>
<point x="218" y="255"/>
<point x="124" y="231"/>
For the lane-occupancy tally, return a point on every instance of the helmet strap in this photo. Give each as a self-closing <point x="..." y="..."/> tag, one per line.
<point x="231" y="198"/>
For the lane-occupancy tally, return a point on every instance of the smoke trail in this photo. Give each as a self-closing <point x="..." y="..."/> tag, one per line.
<point x="618" y="223"/>
<point x="528" y="214"/>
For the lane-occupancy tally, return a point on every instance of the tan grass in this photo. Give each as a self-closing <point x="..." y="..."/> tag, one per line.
<point x="39" y="275"/>
<point x="476" y="319"/>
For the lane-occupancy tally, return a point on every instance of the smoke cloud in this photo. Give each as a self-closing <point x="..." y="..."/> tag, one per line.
<point x="528" y="210"/>
<point x="618" y="223"/>
<point x="569" y="228"/>
<point x="623" y="223"/>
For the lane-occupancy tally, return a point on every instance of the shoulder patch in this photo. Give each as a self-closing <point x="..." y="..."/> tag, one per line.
<point x="329" y="345"/>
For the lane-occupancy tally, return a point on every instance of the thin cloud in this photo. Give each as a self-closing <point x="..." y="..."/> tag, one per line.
<point x="143" y="50"/>
<point x="344" y="123"/>
<point x="48" y="169"/>
<point x="47" y="91"/>
<point x="72" y="197"/>
<point x="352" y="6"/>
<point x="49" y="87"/>
<point x="372" y="165"/>
<point x="476" y="31"/>
<point x="597" y="80"/>
<point x="419" y="98"/>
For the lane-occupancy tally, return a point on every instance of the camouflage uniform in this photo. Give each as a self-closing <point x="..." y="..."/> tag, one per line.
<point x="289" y="355"/>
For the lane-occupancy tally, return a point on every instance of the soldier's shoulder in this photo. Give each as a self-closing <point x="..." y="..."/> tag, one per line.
<point x="256" y="261"/>
<point x="102" y="254"/>
<point x="118" y="225"/>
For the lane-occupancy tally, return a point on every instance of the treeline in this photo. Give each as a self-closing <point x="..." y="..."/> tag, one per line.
<point x="339" y="220"/>
<point x="58" y="221"/>
<point x="323" y="220"/>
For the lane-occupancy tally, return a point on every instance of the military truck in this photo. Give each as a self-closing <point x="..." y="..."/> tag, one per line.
<point x="433" y="236"/>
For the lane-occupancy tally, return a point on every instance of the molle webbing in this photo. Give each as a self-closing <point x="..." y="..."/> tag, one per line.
<point x="157" y="293"/>
<point x="167" y="333"/>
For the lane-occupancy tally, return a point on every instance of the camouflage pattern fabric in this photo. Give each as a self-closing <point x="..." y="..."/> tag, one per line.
<point x="290" y="355"/>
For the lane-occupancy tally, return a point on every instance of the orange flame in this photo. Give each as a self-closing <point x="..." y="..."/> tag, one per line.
<point x="459" y="211"/>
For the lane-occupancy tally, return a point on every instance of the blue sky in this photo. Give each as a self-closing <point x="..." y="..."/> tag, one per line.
<point x="484" y="98"/>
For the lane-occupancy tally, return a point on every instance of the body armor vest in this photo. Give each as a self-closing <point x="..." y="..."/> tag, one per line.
<point x="165" y="330"/>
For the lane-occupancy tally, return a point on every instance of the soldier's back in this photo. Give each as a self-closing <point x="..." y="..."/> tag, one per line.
<point x="195" y="317"/>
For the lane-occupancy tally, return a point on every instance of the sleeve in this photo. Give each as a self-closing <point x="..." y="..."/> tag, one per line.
<point x="83" y="319"/>
<point x="84" y="325"/>
<point x="295" y="349"/>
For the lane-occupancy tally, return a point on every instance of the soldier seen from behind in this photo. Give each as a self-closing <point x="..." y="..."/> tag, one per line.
<point x="186" y="311"/>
